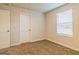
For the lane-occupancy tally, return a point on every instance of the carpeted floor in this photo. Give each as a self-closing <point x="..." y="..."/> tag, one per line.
<point x="43" y="47"/>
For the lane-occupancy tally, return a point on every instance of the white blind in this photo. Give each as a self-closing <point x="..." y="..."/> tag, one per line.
<point x="64" y="23"/>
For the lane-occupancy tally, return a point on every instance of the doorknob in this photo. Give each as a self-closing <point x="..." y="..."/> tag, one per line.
<point x="8" y="30"/>
<point x="29" y="29"/>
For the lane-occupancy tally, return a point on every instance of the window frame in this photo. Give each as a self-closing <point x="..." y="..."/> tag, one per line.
<point x="63" y="34"/>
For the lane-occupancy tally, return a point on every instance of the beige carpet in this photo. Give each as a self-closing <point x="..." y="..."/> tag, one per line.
<point x="43" y="47"/>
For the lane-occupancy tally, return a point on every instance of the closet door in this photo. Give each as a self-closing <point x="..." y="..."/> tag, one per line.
<point x="4" y="28"/>
<point x="24" y="27"/>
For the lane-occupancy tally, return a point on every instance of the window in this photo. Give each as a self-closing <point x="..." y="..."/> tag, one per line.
<point x="64" y="23"/>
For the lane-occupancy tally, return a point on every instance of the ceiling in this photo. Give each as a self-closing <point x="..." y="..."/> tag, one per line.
<point x="41" y="7"/>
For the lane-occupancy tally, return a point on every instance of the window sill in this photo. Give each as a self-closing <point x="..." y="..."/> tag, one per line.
<point x="65" y="35"/>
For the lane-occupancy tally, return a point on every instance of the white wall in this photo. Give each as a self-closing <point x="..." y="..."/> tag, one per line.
<point x="70" y="42"/>
<point x="37" y="26"/>
<point x="37" y="23"/>
<point x="15" y="25"/>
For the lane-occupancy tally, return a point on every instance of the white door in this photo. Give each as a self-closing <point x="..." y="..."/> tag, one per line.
<point x="24" y="27"/>
<point x="4" y="29"/>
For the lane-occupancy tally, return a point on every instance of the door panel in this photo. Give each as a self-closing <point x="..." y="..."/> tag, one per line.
<point x="24" y="27"/>
<point x="4" y="28"/>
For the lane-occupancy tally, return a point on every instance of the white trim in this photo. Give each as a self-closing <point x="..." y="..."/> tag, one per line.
<point x="63" y="44"/>
<point x="38" y="39"/>
<point x="51" y="41"/>
<point x="26" y="42"/>
<point x="61" y="34"/>
<point x="15" y="44"/>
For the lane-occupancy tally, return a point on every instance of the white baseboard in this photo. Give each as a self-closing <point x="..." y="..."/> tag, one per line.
<point x="63" y="45"/>
<point x="38" y="39"/>
<point x="15" y="44"/>
<point x="51" y="41"/>
<point x="26" y="42"/>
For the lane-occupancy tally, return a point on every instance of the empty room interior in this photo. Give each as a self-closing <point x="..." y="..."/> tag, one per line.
<point x="39" y="29"/>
